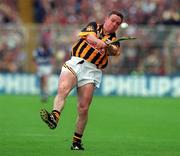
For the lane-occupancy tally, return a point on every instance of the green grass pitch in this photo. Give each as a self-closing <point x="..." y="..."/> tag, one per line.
<point x="117" y="126"/>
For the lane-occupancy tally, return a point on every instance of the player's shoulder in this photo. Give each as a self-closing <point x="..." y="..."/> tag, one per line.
<point x="92" y="24"/>
<point x="90" y="27"/>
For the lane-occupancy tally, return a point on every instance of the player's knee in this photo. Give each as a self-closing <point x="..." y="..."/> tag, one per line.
<point x="83" y="109"/>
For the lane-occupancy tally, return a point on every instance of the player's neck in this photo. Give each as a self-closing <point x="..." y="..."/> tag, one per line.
<point x="105" y="32"/>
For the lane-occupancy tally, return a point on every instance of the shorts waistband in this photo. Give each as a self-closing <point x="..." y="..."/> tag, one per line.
<point x="81" y="59"/>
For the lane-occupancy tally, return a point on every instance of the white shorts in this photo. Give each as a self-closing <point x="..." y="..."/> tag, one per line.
<point x="85" y="71"/>
<point x="44" y="70"/>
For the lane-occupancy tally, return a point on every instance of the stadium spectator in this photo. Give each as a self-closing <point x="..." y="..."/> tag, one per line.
<point x="9" y="13"/>
<point x="39" y="11"/>
<point x="12" y="55"/>
<point x="152" y="63"/>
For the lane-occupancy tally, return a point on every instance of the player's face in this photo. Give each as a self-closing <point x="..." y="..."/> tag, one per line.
<point x="112" y="23"/>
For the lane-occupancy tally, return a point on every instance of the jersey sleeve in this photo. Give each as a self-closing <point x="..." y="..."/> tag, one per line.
<point x="91" y="28"/>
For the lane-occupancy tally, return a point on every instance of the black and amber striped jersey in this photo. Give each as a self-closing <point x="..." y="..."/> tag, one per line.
<point x="86" y="51"/>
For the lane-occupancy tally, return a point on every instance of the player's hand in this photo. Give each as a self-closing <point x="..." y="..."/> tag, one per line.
<point x="112" y="50"/>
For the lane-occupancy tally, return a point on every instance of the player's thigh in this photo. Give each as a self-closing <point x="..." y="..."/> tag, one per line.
<point x="85" y="94"/>
<point x="67" y="81"/>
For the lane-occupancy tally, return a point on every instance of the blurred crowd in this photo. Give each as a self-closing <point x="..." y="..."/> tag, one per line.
<point x="155" y="23"/>
<point x="12" y="56"/>
<point x="155" y="52"/>
<point x="81" y="11"/>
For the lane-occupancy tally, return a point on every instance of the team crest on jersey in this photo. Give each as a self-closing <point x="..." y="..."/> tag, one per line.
<point x="90" y="28"/>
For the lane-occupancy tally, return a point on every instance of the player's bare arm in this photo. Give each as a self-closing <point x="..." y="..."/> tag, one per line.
<point x="97" y="43"/>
